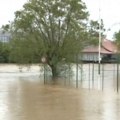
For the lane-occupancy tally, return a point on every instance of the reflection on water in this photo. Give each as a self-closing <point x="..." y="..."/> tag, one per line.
<point x="87" y="76"/>
<point x="29" y="100"/>
<point x="25" y="97"/>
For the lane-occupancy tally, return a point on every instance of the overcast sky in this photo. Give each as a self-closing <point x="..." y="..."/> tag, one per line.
<point x="109" y="12"/>
<point x="7" y="9"/>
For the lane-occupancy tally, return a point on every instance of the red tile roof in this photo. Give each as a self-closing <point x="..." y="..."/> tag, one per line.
<point x="107" y="47"/>
<point x="95" y="49"/>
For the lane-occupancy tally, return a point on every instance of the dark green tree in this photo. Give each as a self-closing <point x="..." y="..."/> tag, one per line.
<point x="117" y="38"/>
<point x="4" y="52"/>
<point x="54" y="29"/>
<point x="94" y="28"/>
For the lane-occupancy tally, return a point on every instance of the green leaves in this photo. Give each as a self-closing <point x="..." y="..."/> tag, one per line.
<point x="56" y="24"/>
<point x="52" y="28"/>
<point x="117" y="38"/>
<point x="93" y="30"/>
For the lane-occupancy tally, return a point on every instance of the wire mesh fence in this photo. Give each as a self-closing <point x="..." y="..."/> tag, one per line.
<point x="78" y="75"/>
<point x="88" y="76"/>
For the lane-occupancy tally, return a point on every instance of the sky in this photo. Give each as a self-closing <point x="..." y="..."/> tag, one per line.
<point x="7" y="9"/>
<point x="109" y="12"/>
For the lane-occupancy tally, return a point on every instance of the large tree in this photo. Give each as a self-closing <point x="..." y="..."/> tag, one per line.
<point x="55" y="29"/>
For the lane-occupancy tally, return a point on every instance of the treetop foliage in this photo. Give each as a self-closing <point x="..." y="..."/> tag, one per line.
<point x="56" y="29"/>
<point x="53" y="24"/>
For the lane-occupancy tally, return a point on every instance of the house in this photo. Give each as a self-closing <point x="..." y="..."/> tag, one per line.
<point x="108" y="52"/>
<point x="4" y="36"/>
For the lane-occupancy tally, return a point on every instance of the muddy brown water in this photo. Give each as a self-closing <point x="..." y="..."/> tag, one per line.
<point x="29" y="100"/>
<point x="26" y="98"/>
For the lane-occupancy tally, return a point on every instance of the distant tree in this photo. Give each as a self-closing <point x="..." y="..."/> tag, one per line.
<point x="4" y="52"/>
<point x="94" y="28"/>
<point x="117" y="38"/>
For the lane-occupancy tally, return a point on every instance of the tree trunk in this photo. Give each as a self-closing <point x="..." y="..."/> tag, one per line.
<point x="54" y="71"/>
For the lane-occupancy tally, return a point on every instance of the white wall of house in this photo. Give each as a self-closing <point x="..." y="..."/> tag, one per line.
<point x="4" y="36"/>
<point x="90" y="57"/>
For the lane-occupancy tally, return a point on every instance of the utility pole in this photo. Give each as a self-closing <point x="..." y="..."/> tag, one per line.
<point x="99" y="47"/>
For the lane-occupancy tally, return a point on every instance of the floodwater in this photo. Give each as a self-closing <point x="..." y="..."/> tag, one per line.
<point x="23" y="96"/>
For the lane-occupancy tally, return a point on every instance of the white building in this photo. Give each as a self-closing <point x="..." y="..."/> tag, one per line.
<point x="4" y="36"/>
<point x="108" y="51"/>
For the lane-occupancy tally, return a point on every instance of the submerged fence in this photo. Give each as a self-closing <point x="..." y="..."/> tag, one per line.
<point x="78" y="75"/>
<point x="88" y="76"/>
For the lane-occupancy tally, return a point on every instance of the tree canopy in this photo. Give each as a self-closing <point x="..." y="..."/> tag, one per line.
<point x="117" y="38"/>
<point x="55" y="29"/>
